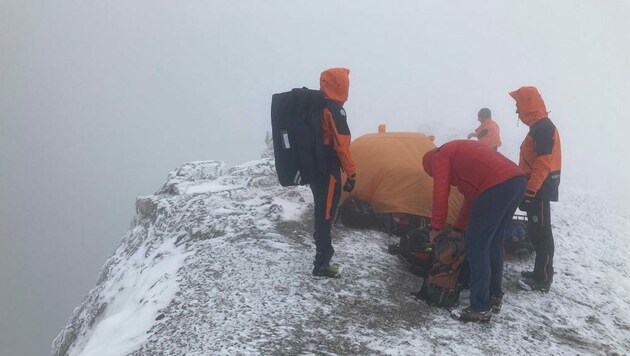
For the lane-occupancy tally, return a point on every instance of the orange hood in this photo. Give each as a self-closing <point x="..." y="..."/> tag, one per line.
<point x="530" y="104"/>
<point x="334" y="83"/>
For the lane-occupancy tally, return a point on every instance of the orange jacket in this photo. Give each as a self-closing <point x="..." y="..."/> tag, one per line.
<point x="541" y="155"/>
<point x="334" y="84"/>
<point x="488" y="133"/>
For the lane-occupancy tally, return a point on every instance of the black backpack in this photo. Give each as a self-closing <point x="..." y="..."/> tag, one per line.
<point x="357" y="214"/>
<point x="296" y="125"/>
<point x="416" y="249"/>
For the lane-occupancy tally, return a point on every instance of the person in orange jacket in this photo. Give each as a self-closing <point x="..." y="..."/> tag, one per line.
<point x="488" y="130"/>
<point x="334" y="84"/>
<point x="540" y="159"/>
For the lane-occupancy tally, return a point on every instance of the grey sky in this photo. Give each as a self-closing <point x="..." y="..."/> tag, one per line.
<point x="99" y="100"/>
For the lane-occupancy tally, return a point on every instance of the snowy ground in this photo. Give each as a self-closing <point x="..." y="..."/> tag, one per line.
<point x="218" y="262"/>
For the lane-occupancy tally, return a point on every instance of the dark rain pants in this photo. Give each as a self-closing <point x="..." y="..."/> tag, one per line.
<point x="490" y="214"/>
<point x="539" y="231"/>
<point x="326" y="193"/>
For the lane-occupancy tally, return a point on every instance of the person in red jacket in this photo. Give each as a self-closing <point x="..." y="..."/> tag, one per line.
<point x="492" y="187"/>
<point x="540" y="159"/>
<point x="488" y="131"/>
<point x="334" y="84"/>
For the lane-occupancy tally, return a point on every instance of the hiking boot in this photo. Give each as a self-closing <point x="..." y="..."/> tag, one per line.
<point x="496" y="302"/>
<point x="327" y="271"/>
<point x="527" y="274"/>
<point x="530" y="284"/>
<point x="468" y="314"/>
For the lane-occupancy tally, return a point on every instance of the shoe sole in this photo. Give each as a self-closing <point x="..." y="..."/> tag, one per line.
<point x="526" y="287"/>
<point x="327" y="276"/>
<point x="338" y="275"/>
<point x="470" y="321"/>
<point x="458" y="317"/>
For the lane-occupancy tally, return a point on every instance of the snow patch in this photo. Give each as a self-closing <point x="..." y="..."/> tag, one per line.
<point x="143" y="285"/>
<point x="209" y="187"/>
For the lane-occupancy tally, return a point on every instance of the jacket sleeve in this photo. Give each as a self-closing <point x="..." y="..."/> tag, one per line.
<point x="481" y="133"/>
<point x="540" y="168"/>
<point x="341" y="141"/>
<point x="441" y="189"/>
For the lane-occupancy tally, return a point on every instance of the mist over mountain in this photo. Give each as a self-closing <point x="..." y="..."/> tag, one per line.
<point x="99" y="99"/>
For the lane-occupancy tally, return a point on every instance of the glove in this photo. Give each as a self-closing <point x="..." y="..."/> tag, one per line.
<point x="349" y="186"/>
<point x="526" y="204"/>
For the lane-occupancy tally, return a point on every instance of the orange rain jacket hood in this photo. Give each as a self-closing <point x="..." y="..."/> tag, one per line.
<point x="541" y="155"/>
<point x="335" y="83"/>
<point x="531" y="107"/>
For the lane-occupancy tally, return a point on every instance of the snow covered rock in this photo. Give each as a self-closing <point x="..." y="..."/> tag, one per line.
<point x="218" y="262"/>
<point x="179" y="179"/>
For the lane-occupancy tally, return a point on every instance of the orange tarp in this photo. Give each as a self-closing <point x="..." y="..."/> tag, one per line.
<point x="390" y="176"/>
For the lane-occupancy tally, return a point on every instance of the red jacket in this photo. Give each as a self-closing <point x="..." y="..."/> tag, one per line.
<point x="472" y="167"/>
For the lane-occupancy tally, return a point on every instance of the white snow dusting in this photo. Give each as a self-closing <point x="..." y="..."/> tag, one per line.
<point x="218" y="262"/>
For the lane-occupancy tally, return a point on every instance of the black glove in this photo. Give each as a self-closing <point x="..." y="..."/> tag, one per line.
<point x="349" y="186"/>
<point x="526" y="204"/>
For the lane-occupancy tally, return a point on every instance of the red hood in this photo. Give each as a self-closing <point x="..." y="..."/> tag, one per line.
<point x="530" y="104"/>
<point x="334" y="83"/>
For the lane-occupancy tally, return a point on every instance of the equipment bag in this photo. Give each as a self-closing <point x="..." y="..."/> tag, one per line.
<point x="516" y="239"/>
<point x="442" y="286"/>
<point x="296" y="125"/>
<point x="358" y="214"/>
<point x="403" y="223"/>
<point x="416" y="249"/>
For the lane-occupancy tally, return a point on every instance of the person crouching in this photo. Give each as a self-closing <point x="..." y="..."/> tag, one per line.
<point x="492" y="186"/>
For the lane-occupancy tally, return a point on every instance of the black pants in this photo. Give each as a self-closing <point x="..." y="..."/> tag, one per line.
<point x="326" y="193"/>
<point x="539" y="230"/>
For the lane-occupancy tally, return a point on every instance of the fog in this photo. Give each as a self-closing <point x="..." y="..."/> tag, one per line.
<point x="100" y="100"/>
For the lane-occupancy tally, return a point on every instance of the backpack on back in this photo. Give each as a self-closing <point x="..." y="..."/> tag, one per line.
<point x="296" y="125"/>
